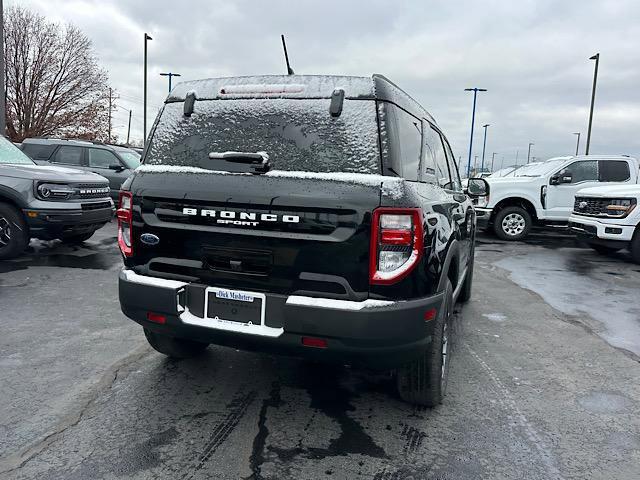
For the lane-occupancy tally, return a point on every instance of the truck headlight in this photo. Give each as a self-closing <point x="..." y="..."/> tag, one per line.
<point x="620" y="207"/>
<point x="54" y="191"/>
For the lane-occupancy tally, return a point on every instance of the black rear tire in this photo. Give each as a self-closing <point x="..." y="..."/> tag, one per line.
<point x="424" y="381"/>
<point x="512" y="223"/>
<point x="174" y="347"/>
<point x="604" y="249"/>
<point x="14" y="233"/>
<point x="83" y="237"/>
<point x="635" y="246"/>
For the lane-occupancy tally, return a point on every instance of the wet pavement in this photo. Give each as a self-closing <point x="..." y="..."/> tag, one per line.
<point x="544" y="383"/>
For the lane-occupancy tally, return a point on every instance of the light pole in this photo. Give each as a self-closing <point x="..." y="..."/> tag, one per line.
<point x="493" y="157"/>
<point x="577" y="142"/>
<point x="129" y="127"/>
<point x="144" y="113"/>
<point x="484" y="146"/>
<point x="529" y="151"/>
<point x="475" y="91"/>
<point x="170" y="75"/>
<point x="596" y="57"/>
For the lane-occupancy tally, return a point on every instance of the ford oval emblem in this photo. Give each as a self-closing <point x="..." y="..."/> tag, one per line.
<point x="149" y="239"/>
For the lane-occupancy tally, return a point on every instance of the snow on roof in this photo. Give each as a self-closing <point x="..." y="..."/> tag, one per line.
<point x="306" y="86"/>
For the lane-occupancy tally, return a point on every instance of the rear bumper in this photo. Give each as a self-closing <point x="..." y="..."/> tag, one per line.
<point x="592" y="228"/>
<point x="55" y="223"/>
<point x="375" y="334"/>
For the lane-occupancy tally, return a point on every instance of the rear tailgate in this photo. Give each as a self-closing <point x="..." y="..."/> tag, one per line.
<point x="283" y="232"/>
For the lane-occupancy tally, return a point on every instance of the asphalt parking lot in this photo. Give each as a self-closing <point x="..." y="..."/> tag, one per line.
<point x="544" y="383"/>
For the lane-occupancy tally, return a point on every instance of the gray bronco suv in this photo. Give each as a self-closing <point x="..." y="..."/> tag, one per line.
<point x="47" y="202"/>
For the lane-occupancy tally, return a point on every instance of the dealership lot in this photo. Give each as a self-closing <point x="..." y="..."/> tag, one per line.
<point x="544" y="383"/>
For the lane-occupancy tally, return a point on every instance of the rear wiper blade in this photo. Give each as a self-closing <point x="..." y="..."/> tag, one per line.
<point x="258" y="161"/>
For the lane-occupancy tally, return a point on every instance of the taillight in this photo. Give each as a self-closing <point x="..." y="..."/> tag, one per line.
<point x="396" y="244"/>
<point x="125" y="217"/>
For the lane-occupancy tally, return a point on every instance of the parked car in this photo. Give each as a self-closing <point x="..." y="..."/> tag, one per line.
<point x="316" y="216"/>
<point x="544" y="193"/>
<point x="113" y="162"/>
<point x="47" y="202"/>
<point x="608" y="218"/>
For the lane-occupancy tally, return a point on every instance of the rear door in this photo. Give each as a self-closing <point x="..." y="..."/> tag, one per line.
<point x="101" y="161"/>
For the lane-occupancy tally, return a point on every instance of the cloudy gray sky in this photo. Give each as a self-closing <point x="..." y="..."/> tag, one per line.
<point x="532" y="56"/>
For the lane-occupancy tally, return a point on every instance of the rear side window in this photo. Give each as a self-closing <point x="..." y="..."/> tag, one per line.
<point x="614" y="171"/>
<point x="404" y="137"/>
<point x="38" y="151"/>
<point x="297" y="134"/>
<point x="68" y="155"/>
<point x="435" y="166"/>
<point x="456" y="184"/>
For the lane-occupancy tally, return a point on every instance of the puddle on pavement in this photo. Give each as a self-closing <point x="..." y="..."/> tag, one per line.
<point x="100" y="255"/>
<point x="570" y="282"/>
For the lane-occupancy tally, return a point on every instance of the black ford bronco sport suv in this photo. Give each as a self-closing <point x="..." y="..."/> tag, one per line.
<point x="316" y="216"/>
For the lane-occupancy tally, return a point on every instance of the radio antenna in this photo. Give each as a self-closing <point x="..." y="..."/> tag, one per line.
<point x="286" y="56"/>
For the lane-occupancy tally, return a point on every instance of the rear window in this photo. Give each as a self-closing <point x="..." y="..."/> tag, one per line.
<point x="297" y="134"/>
<point x="614" y="171"/>
<point x="38" y="151"/>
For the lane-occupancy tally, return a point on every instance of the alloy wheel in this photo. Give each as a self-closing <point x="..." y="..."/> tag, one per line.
<point x="5" y="232"/>
<point x="513" y="224"/>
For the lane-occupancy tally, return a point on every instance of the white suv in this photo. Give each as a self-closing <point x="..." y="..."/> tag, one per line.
<point x="607" y="218"/>
<point x="545" y="192"/>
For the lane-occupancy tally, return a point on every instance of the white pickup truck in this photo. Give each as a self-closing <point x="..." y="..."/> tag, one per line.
<point x="544" y="193"/>
<point x="608" y="218"/>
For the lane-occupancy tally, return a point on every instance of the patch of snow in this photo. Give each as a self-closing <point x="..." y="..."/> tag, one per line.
<point x="146" y="168"/>
<point x="495" y="317"/>
<point x="263" y="88"/>
<point x="314" y="85"/>
<point x="337" y="304"/>
<point x="132" y="276"/>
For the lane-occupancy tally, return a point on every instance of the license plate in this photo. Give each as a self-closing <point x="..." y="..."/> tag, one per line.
<point x="237" y="307"/>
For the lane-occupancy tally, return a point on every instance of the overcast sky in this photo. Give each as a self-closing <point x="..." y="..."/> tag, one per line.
<point x="532" y="56"/>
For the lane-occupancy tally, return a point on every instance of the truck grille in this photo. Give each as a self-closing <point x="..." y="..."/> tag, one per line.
<point x="591" y="206"/>
<point x="92" y="190"/>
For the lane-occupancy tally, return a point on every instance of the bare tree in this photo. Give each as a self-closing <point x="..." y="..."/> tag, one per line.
<point x="54" y="83"/>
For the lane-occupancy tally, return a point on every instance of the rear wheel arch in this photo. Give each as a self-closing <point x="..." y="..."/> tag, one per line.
<point x="450" y="267"/>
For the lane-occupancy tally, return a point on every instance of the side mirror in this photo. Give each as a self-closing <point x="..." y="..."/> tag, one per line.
<point x="117" y="167"/>
<point x="555" y="179"/>
<point x="189" y="103"/>
<point x="477" y="187"/>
